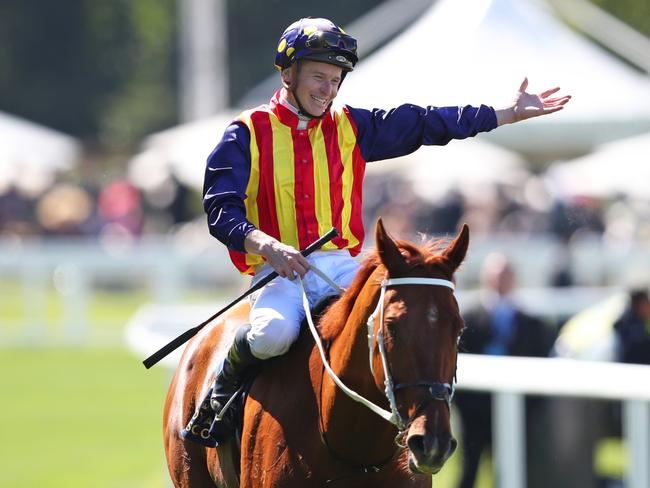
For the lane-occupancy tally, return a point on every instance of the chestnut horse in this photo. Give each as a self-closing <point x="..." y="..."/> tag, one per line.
<point x="300" y="428"/>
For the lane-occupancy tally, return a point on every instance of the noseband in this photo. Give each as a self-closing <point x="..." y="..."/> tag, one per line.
<point x="436" y="390"/>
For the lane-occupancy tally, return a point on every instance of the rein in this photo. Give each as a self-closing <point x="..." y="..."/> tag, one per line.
<point x="363" y="469"/>
<point x="437" y="391"/>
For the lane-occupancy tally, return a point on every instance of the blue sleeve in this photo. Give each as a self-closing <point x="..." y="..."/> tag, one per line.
<point x="224" y="187"/>
<point x="388" y="134"/>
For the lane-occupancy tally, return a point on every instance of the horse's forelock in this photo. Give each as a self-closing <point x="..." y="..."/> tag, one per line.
<point x="427" y="254"/>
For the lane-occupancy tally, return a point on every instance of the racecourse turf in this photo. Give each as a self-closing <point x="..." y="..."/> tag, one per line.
<point x="90" y="418"/>
<point x="80" y="418"/>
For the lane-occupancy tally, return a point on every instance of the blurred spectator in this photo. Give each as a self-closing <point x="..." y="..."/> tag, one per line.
<point x="16" y="213"/>
<point x="120" y="207"/>
<point x="64" y="210"/>
<point x="443" y="217"/>
<point x="562" y="272"/>
<point x="497" y="326"/>
<point x="580" y="427"/>
<point x="633" y="329"/>
<point x="482" y="211"/>
<point x="395" y="203"/>
<point x="578" y="214"/>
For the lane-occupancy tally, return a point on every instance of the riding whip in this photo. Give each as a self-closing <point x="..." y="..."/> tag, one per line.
<point x="188" y="334"/>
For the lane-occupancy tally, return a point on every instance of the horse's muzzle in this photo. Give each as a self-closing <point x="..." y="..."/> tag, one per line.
<point x="428" y="454"/>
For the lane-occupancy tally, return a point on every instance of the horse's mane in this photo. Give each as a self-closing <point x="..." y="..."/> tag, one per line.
<point x="425" y="254"/>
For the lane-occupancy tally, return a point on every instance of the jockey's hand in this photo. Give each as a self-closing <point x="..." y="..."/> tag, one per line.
<point x="527" y="105"/>
<point x="285" y="260"/>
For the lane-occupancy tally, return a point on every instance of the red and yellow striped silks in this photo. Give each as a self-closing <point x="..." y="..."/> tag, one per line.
<point x="303" y="182"/>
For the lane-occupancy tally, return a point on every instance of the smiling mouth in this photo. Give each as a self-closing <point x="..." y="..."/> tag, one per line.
<point x="320" y="101"/>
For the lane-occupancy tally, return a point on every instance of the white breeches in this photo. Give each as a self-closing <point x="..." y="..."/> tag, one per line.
<point x="277" y="308"/>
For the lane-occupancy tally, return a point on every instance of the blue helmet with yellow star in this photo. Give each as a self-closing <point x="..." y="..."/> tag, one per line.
<point x="317" y="40"/>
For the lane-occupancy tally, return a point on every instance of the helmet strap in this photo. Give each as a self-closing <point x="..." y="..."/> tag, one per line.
<point x="293" y="88"/>
<point x="302" y="110"/>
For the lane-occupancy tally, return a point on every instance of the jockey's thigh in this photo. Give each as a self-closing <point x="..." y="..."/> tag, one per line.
<point x="339" y="266"/>
<point x="277" y="310"/>
<point x="275" y="318"/>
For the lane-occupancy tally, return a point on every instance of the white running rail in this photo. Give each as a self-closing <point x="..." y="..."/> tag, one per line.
<point x="510" y="378"/>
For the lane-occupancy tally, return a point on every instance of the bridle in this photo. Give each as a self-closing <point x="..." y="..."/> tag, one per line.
<point x="436" y="390"/>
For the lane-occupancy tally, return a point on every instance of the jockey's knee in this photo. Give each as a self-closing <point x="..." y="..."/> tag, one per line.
<point x="273" y="338"/>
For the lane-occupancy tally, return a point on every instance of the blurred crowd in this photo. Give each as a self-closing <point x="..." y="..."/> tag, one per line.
<point x="497" y="324"/>
<point x="116" y="208"/>
<point x="564" y="433"/>
<point x="119" y="207"/>
<point x="531" y="208"/>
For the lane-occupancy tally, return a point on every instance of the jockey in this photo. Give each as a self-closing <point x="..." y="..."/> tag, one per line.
<point x="287" y="171"/>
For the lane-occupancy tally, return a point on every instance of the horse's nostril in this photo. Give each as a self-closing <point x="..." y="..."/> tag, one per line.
<point x="416" y="444"/>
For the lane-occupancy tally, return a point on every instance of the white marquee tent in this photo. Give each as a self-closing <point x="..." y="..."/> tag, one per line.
<point x="468" y="165"/>
<point x="460" y="52"/>
<point x="180" y="151"/>
<point x="620" y="167"/>
<point x="478" y="51"/>
<point x="30" y="154"/>
<point x="184" y="150"/>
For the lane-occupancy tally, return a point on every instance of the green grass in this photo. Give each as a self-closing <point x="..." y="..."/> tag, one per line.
<point x="92" y="418"/>
<point x="80" y="418"/>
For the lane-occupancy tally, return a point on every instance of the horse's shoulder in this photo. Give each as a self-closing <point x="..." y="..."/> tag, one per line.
<point x="280" y="406"/>
<point x="284" y="382"/>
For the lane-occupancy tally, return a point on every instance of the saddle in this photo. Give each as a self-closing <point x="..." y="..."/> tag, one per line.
<point x="200" y="428"/>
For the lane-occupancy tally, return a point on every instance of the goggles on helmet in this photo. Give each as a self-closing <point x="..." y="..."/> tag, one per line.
<point x="323" y="41"/>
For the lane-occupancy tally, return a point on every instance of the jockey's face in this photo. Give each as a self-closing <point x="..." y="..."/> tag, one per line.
<point x="315" y="84"/>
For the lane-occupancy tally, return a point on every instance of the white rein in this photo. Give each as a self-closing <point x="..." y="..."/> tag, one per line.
<point x="393" y="416"/>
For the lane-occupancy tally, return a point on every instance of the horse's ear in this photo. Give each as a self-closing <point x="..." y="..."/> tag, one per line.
<point x="456" y="251"/>
<point x="389" y="253"/>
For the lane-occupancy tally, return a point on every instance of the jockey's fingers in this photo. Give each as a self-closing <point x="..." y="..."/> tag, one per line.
<point x="303" y="261"/>
<point x="287" y="272"/>
<point x="298" y="259"/>
<point x="296" y="268"/>
<point x="290" y="269"/>
<point x="301" y="270"/>
<point x="549" y="92"/>
<point x="562" y="100"/>
<point x="282" y="267"/>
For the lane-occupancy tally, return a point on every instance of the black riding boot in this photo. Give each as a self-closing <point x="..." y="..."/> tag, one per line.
<point x="237" y="364"/>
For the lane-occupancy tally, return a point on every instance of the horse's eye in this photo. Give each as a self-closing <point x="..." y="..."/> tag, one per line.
<point x="391" y="328"/>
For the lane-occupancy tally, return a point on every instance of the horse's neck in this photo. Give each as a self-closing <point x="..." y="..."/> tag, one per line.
<point x="350" y="349"/>
<point x="346" y="421"/>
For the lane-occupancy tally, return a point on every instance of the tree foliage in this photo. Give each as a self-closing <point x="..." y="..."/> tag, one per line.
<point x="106" y="71"/>
<point x="259" y="25"/>
<point x="635" y="13"/>
<point x="103" y="71"/>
